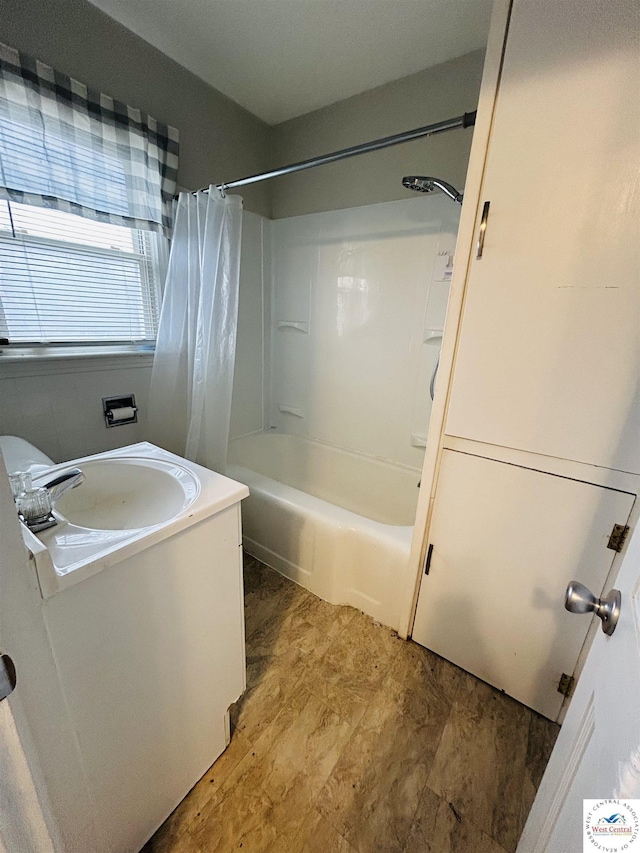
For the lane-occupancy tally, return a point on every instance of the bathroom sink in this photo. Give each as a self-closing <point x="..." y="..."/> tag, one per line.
<point x="127" y="494"/>
<point x="133" y="498"/>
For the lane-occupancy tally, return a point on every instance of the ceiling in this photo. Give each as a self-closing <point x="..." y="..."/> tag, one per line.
<point x="283" y="58"/>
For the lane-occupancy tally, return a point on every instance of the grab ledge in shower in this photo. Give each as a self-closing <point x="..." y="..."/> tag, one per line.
<point x="290" y="410"/>
<point x="300" y="325"/>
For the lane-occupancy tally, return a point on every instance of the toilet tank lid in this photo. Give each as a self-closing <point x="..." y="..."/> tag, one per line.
<point x="19" y="455"/>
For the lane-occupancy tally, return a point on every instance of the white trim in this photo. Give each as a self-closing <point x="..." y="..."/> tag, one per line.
<point x="608" y="478"/>
<point x="466" y="232"/>
<point x="68" y="360"/>
<point x="79" y="248"/>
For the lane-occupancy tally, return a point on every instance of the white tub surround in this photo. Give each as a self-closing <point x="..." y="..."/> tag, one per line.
<point x="358" y="307"/>
<point x="336" y="522"/>
<point x="140" y="596"/>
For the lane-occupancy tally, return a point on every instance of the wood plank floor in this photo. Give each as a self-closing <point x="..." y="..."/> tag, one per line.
<point x="350" y="740"/>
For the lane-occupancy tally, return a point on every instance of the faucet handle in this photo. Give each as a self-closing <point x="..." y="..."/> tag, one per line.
<point x="20" y="481"/>
<point x="35" y="509"/>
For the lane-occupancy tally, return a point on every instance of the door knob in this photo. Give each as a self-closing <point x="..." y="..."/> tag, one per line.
<point x="579" y="599"/>
<point x="7" y="676"/>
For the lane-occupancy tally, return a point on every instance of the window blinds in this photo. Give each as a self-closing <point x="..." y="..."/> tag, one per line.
<point x="64" y="279"/>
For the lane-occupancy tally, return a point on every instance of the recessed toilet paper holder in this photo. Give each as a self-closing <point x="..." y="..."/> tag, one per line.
<point x="119" y="411"/>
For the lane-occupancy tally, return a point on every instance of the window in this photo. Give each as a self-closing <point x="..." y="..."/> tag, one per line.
<point x="69" y="280"/>
<point x="86" y="207"/>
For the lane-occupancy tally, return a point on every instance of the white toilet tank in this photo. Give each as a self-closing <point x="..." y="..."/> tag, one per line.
<point x="19" y="455"/>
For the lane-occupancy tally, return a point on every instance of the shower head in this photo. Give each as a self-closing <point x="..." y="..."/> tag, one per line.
<point x="428" y="185"/>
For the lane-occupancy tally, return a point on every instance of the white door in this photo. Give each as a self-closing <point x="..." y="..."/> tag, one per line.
<point x="22" y="824"/>
<point x="550" y="341"/>
<point x="597" y="754"/>
<point x="493" y="599"/>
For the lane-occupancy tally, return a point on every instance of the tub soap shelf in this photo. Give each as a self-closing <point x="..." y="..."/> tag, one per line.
<point x="300" y="325"/>
<point x="290" y="410"/>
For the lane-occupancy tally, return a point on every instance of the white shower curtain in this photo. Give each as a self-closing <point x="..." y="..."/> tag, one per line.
<point x="192" y="377"/>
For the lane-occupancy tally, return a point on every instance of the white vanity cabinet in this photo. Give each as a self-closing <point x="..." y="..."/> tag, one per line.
<point x="125" y="621"/>
<point x="150" y="654"/>
<point x="126" y="624"/>
<point x="549" y="346"/>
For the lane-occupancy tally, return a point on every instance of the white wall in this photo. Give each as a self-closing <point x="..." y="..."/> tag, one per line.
<point x="432" y="95"/>
<point x="56" y="404"/>
<point x="355" y="368"/>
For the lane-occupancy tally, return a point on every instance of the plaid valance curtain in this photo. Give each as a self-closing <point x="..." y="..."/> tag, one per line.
<point x="67" y="147"/>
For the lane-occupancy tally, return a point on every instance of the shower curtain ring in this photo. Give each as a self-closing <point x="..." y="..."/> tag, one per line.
<point x="222" y="190"/>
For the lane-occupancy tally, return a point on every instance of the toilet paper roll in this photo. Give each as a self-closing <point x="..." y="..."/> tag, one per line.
<point x="125" y="413"/>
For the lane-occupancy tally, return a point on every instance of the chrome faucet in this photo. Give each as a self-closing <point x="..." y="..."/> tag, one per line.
<point x="63" y="483"/>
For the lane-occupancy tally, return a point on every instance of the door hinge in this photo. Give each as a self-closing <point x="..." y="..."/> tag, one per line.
<point x="427" y="562"/>
<point x="565" y="685"/>
<point x="618" y="537"/>
<point x="7" y="676"/>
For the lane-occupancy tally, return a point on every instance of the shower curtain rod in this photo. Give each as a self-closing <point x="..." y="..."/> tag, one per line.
<point x="466" y="120"/>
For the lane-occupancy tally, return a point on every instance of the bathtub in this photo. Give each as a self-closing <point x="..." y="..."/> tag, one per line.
<point x="336" y="522"/>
